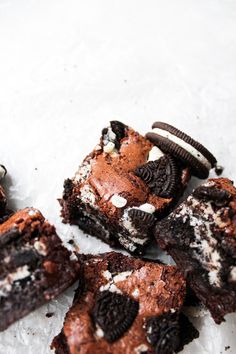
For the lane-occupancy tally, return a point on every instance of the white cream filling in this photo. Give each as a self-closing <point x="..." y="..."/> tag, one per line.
<point x="121" y="276"/>
<point x="109" y="148"/>
<point x="32" y="212"/>
<point x="118" y="201"/>
<point x="108" y="142"/>
<point x="142" y="348"/>
<point x="40" y="248"/>
<point x="232" y="274"/>
<point x="148" y="208"/>
<point x="87" y="195"/>
<point x="84" y="171"/>
<point x="6" y="283"/>
<point x="155" y="154"/>
<point x="127" y="243"/>
<point x="135" y="293"/>
<point x="189" y="148"/>
<point x="99" y="332"/>
<point x="112" y="280"/>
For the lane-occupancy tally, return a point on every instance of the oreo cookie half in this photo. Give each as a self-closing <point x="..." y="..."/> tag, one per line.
<point x="173" y="141"/>
<point x="161" y="176"/>
<point x="114" y="313"/>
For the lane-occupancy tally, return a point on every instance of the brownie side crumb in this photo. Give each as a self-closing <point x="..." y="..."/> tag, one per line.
<point x="49" y="314"/>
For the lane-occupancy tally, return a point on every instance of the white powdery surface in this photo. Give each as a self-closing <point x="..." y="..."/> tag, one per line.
<point x="67" y="68"/>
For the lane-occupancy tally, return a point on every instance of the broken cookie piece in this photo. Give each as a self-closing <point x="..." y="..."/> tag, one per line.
<point x="200" y="235"/>
<point x="34" y="265"/>
<point x="127" y="306"/>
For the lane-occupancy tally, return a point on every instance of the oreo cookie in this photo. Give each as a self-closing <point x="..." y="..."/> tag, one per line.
<point x="170" y="332"/>
<point x="114" y="313"/>
<point x="112" y="135"/>
<point x="162" y="176"/>
<point x="163" y="333"/>
<point x="141" y="219"/>
<point x="173" y="141"/>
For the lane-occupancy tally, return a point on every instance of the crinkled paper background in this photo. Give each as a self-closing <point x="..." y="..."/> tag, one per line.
<point x="69" y="66"/>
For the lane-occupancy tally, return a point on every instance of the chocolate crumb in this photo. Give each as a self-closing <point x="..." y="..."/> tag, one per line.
<point x="71" y="242"/>
<point x="227" y="347"/>
<point x="49" y="314"/>
<point x="219" y="170"/>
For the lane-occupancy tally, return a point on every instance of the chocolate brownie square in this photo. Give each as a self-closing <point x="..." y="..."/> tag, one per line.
<point x="126" y="306"/>
<point x="34" y="265"/>
<point x="200" y="235"/>
<point x="122" y="187"/>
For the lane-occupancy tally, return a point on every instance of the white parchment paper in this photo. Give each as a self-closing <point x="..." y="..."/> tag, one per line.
<point x="67" y="67"/>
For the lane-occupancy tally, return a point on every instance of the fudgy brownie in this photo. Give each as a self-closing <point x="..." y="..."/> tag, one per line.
<point x="34" y="265"/>
<point x="122" y="187"/>
<point x="200" y="235"/>
<point x="126" y="306"/>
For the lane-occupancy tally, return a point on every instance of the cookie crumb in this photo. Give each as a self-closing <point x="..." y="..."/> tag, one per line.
<point x="219" y="170"/>
<point x="227" y="347"/>
<point x="49" y="314"/>
<point x="71" y="242"/>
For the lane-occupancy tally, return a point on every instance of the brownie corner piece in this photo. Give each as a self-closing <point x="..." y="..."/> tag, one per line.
<point x="126" y="303"/>
<point x="122" y="187"/>
<point x="34" y="265"/>
<point x="201" y="237"/>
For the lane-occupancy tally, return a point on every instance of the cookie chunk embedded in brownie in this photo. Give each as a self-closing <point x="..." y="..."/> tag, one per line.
<point x="122" y="187"/>
<point x="201" y="237"/>
<point x="126" y="306"/>
<point x="34" y="265"/>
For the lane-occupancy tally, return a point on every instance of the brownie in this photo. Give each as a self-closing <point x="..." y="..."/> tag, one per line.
<point x="122" y="187"/>
<point x="200" y="235"/>
<point x="34" y="265"/>
<point x="126" y="306"/>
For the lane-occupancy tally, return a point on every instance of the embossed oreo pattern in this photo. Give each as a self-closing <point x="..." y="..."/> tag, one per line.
<point x="114" y="313"/>
<point x="161" y="176"/>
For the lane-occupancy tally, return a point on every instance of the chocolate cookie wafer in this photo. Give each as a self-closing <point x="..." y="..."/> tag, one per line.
<point x="173" y="141"/>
